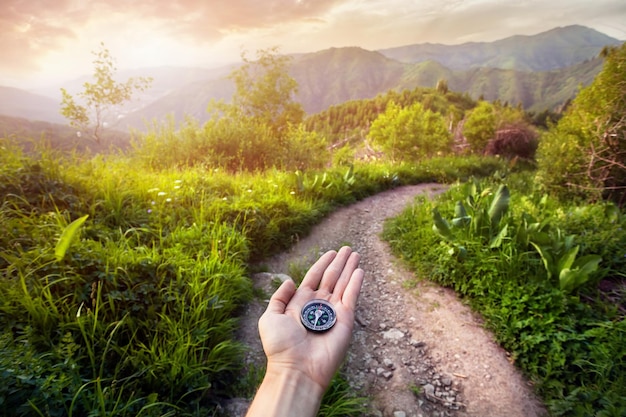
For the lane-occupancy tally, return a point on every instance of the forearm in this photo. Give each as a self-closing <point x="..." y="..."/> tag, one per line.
<point x="284" y="394"/>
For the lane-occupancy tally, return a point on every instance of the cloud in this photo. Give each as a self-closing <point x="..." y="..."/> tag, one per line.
<point x="33" y="29"/>
<point x="30" y="29"/>
<point x="56" y="36"/>
<point x="211" y="20"/>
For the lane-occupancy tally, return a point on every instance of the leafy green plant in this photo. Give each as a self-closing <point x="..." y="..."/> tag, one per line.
<point x="559" y="258"/>
<point x="481" y="222"/>
<point x="584" y="154"/>
<point x="67" y="236"/>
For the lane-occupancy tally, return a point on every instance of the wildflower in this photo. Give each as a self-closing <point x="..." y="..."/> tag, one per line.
<point x="168" y="200"/>
<point x="153" y="203"/>
<point x="292" y="193"/>
<point x="249" y="190"/>
<point x="161" y="193"/>
<point x="225" y="198"/>
<point x="149" y="211"/>
<point x="151" y="190"/>
<point x="176" y="187"/>
<point x="178" y="182"/>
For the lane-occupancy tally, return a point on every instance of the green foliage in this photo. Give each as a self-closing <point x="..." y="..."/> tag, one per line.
<point x="484" y="122"/>
<point x="138" y="317"/>
<point x="95" y="103"/>
<point x="352" y="119"/>
<point x="259" y="130"/>
<point x="265" y="91"/>
<point x="232" y="144"/>
<point x="340" y="400"/>
<point x="68" y="234"/>
<point x="410" y="133"/>
<point x="558" y="254"/>
<point x="571" y="349"/>
<point x="584" y="155"/>
<point x="481" y="221"/>
<point x="480" y="126"/>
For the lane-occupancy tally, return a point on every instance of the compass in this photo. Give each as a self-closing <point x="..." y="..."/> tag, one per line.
<point x="318" y="315"/>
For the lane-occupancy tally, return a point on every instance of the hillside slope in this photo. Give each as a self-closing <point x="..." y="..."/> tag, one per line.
<point x="553" y="49"/>
<point x="15" y="102"/>
<point x="338" y="75"/>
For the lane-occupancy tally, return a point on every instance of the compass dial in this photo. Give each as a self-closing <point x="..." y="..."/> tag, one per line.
<point x="318" y="315"/>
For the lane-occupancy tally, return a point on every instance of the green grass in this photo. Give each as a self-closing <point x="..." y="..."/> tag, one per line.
<point x="134" y="311"/>
<point x="569" y="341"/>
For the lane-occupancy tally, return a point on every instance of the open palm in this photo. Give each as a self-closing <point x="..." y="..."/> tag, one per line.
<point x="335" y="277"/>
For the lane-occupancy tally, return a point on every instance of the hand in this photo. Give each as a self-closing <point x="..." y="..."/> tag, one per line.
<point x="289" y="347"/>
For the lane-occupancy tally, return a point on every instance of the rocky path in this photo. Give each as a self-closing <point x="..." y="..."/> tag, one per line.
<point x="417" y="350"/>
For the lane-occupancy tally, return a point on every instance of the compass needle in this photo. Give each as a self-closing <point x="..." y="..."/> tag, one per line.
<point x="318" y="315"/>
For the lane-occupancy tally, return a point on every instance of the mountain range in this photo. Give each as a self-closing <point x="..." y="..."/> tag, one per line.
<point x="540" y="72"/>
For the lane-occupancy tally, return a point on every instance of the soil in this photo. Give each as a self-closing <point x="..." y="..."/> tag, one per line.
<point x="417" y="349"/>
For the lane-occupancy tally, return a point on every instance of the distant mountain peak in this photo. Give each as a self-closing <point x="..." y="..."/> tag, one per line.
<point x="560" y="47"/>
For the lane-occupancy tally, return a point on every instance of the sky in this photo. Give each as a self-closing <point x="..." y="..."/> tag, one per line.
<point x="44" y="42"/>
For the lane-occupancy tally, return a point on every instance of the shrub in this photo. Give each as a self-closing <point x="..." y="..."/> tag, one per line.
<point x="513" y="141"/>
<point x="411" y="133"/>
<point x="480" y="126"/>
<point x="585" y="154"/>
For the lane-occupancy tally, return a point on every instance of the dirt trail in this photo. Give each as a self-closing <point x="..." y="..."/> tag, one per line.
<point x="416" y="351"/>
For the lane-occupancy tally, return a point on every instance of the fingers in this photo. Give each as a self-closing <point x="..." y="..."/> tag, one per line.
<point x="282" y="296"/>
<point x="337" y="273"/>
<point x="352" y="263"/>
<point x="314" y="276"/>
<point x="353" y="289"/>
<point x="341" y="267"/>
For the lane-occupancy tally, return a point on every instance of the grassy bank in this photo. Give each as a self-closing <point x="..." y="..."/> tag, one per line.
<point x="533" y="268"/>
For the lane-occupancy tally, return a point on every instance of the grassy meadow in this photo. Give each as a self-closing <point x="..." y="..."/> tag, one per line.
<point x="132" y="312"/>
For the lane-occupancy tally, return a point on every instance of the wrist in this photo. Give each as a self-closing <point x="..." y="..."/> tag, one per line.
<point x="297" y="377"/>
<point x="290" y="392"/>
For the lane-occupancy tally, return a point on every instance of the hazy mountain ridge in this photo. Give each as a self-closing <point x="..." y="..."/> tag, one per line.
<point x="336" y="75"/>
<point x="15" y="102"/>
<point x="553" y="49"/>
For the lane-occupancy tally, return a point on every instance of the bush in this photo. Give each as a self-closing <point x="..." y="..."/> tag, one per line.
<point x="411" y="133"/>
<point x="513" y="141"/>
<point x="585" y="154"/>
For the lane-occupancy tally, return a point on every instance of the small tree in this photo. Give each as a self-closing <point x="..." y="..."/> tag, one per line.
<point x="442" y="86"/>
<point x="98" y="99"/>
<point x="486" y="119"/>
<point x="410" y="133"/>
<point x="262" y="126"/>
<point x="480" y="126"/>
<point x="265" y="91"/>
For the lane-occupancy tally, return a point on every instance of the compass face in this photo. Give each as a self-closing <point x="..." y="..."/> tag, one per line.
<point x="318" y="315"/>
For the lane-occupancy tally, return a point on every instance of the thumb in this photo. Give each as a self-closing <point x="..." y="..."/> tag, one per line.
<point x="282" y="296"/>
